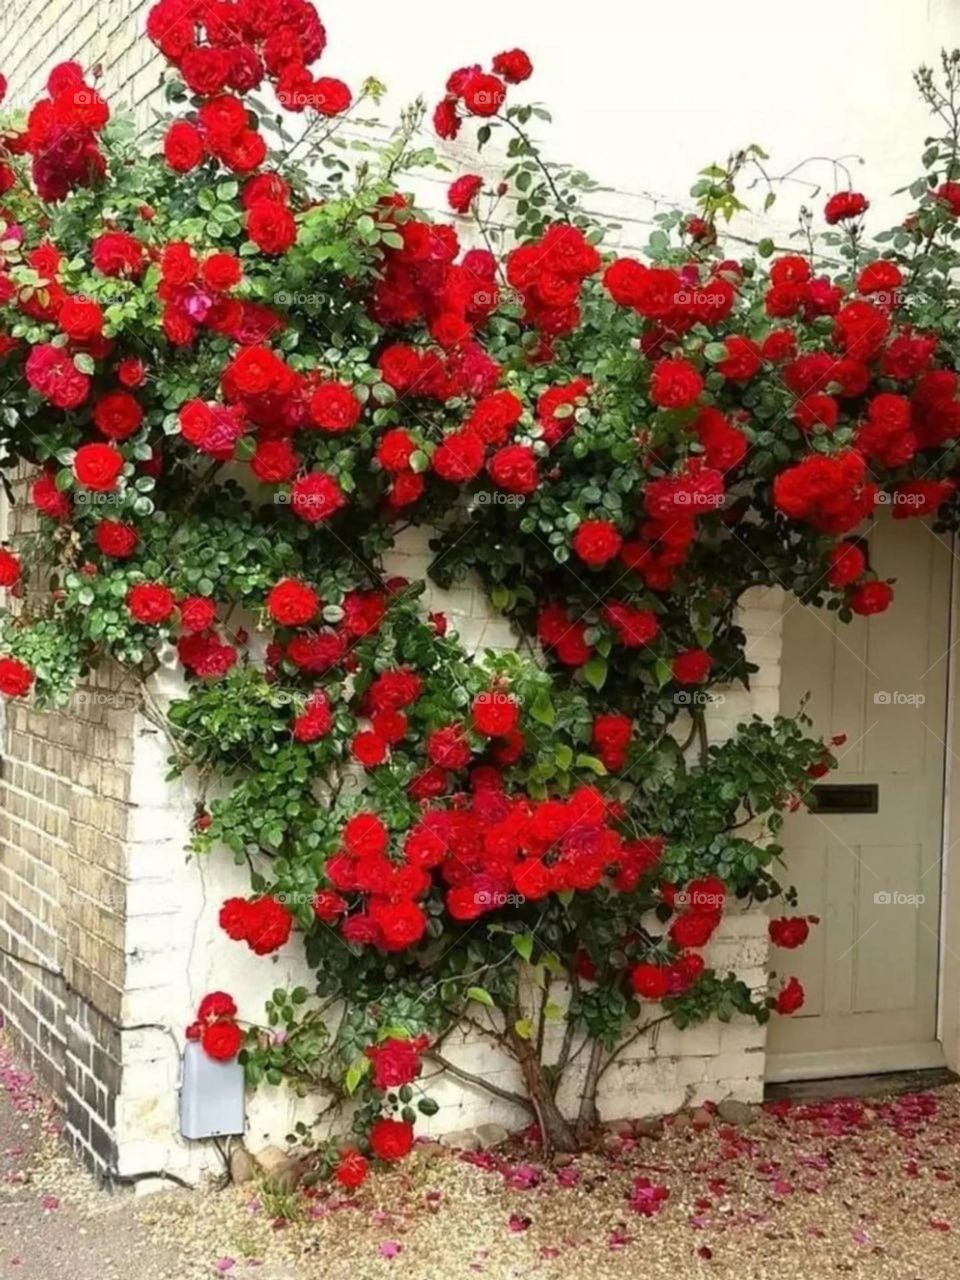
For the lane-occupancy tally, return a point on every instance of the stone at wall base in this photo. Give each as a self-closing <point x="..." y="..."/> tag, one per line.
<point x="243" y="1167"/>
<point x="282" y="1171"/>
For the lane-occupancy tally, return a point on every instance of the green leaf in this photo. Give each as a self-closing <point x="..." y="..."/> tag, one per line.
<point x="481" y="995"/>
<point x="523" y="945"/>
<point x="595" y="672"/>
<point x="524" y="1028"/>
<point x="356" y="1072"/>
<point x="543" y="710"/>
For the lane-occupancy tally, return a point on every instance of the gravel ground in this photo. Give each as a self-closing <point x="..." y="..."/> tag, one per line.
<point x="847" y="1188"/>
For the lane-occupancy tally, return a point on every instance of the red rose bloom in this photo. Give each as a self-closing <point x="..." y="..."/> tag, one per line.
<point x="790" y="998"/>
<point x="484" y="95"/>
<point x="16" y="678"/>
<point x="352" y="1170"/>
<point x="369" y="749"/>
<point x="97" y="466"/>
<point x="495" y="714"/>
<point x="118" y="415"/>
<point x="847" y="564"/>
<point x="316" y="497"/>
<point x="334" y="407"/>
<point x="871" y="597"/>
<point x="183" y="147"/>
<point x="151" y="602"/>
<point x="694" y="928"/>
<point x="611" y="737"/>
<point x="293" y="603"/>
<point x="316" y="719"/>
<point x="116" y="253"/>
<point x="80" y="319"/>
<point x="197" y="613"/>
<point x="116" y="539"/>
<point x="789" y="932"/>
<point x="395" y="1063"/>
<point x="692" y="666"/>
<point x="221" y="1040"/>
<point x="217" y="1004"/>
<point x="391" y="1139"/>
<point x="459" y="457"/>
<point x="271" y="226"/>
<point x="845" y="205"/>
<point x="402" y="924"/>
<point x="275" y="461"/>
<point x="448" y="748"/>
<point x="462" y="193"/>
<point x="9" y="568"/>
<point x="650" y="981"/>
<point x="514" y="65"/>
<point x="596" y="542"/>
<point x="514" y="469"/>
<point x="675" y="384"/>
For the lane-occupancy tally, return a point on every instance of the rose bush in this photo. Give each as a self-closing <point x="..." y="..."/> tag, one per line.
<point x="238" y="365"/>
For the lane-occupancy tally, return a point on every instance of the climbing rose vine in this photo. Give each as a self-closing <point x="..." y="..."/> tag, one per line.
<point x="236" y="366"/>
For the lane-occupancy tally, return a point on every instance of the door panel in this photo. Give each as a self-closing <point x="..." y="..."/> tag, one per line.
<point x="870" y="967"/>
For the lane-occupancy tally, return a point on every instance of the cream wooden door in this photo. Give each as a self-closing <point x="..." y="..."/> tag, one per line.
<point x="870" y="968"/>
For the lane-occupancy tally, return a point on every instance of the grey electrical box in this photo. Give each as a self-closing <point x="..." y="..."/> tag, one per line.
<point x="211" y="1096"/>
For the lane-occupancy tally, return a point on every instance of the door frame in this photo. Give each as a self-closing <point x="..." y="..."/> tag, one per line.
<point x="948" y="996"/>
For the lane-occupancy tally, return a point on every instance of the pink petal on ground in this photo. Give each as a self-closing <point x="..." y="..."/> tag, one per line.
<point x="389" y="1248"/>
<point x="782" y="1187"/>
<point x="50" y="1203"/>
<point x="939" y="1225"/>
<point x="225" y="1264"/>
<point x="518" y="1222"/>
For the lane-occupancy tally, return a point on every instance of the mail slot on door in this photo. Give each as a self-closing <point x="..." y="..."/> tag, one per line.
<point x="845" y="797"/>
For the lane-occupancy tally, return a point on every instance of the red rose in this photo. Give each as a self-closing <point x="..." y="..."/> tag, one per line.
<point x="462" y="193"/>
<point x="391" y="1139"/>
<point x="789" y="932"/>
<point x="183" y="147"/>
<point x="217" y="1004"/>
<point x="634" y="627"/>
<point x="402" y="924"/>
<point x="116" y="253"/>
<point x="650" y="981"/>
<point x="151" y="602"/>
<point x="116" y="539"/>
<point x="611" y="737"/>
<point x="16" y="678"/>
<point x="365" y="836"/>
<point x="334" y="407"/>
<point x="844" y="205"/>
<point x="847" y="564"/>
<point x="222" y="1040"/>
<point x="293" y="603"/>
<point x="400" y="366"/>
<point x="448" y="748"/>
<point x="197" y="613"/>
<point x="222" y="271"/>
<point x="269" y="925"/>
<point x="80" y="319"/>
<point x="352" y="1170"/>
<point x="514" y="469"/>
<point x="790" y="998"/>
<point x="50" y="500"/>
<point x="9" y="568"/>
<point x="97" y="466"/>
<point x="316" y="497"/>
<point x="117" y="415"/>
<point x="692" y="666"/>
<point x="328" y="905"/>
<point x="369" y="749"/>
<point x="495" y="714"/>
<point x="271" y="226"/>
<point x="395" y="1063"/>
<point x="694" y="928"/>
<point x="871" y="597"/>
<point x="596" y="542"/>
<point x="275" y="461"/>
<point x="514" y="65"/>
<point x="395" y="450"/>
<point x="675" y="384"/>
<point x="459" y="457"/>
<point x="316" y="719"/>
<point x="484" y="95"/>
<point x="131" y="372"/>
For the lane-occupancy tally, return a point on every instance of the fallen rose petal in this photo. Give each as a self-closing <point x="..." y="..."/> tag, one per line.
<point x="390" y="1248"/>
